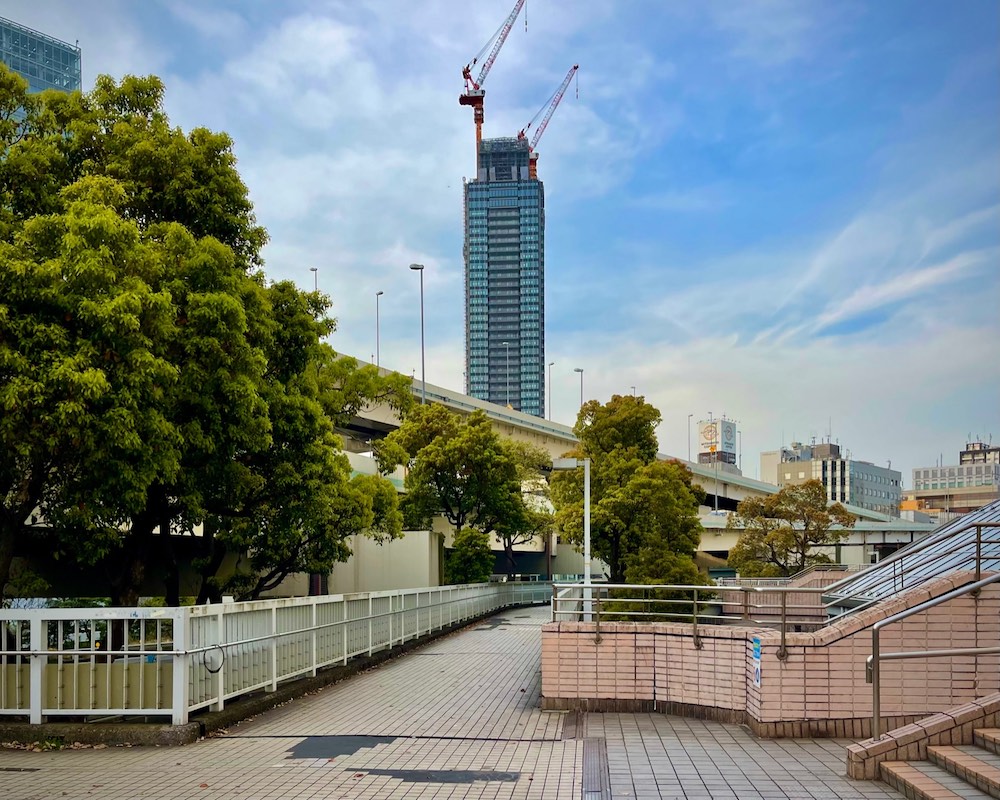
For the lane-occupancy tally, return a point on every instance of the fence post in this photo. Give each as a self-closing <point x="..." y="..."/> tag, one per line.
<point x="746" y="601"/>
<point x="597" y="616"/>
<point x="694" y="617"/>
<point x="315" y="652"/>
<point x="36" y="669"/>
<point x="370" y="623"/>
<point x="274" y="649"/>
<point x="783" y="651"/>
<point x="876" y="687"/>
<point x="179" y="696"/>
<point x="220" y="676"/>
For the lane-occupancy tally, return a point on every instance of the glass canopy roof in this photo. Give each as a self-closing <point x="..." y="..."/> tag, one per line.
<point x="951" y="548"/>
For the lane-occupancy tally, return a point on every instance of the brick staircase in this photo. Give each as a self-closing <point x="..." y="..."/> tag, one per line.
<point x="963" y="771"/>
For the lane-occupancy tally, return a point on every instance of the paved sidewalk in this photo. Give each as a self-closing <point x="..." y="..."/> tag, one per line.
<point x="456" y="719"/>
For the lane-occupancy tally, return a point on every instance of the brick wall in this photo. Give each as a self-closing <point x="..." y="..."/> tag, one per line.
<point x="818" y="689"/>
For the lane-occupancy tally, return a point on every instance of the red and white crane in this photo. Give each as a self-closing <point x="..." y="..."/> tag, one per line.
<point x="474" y="93"/>
<point x="548" y="109"/>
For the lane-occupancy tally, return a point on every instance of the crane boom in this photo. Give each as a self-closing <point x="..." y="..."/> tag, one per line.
<point x="497" y="40"/>
<point x="557" y="96"/>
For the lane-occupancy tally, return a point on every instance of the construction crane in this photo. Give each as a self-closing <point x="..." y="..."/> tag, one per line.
<point x="548" y="109"/>
<point x="474" y="92"/>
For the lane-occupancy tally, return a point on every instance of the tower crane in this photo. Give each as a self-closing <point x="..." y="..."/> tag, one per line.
<point x="548" y="109"/>
<point x="474" y="92"/>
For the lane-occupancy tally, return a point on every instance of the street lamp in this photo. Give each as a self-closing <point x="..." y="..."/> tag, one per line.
<point x="551" y="364"/>
<point x="580" y="370"/>
<point x="506" y="347"/>
<point x="315" y="272"/>
<point x="633" y="391"/>
<point x="575" y="463"/>
<point x="689" y="436"/>
<point x="423" y="365"/>
<point x="378" y="354"/>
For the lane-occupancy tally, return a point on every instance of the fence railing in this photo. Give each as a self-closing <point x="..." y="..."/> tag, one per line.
<point x="147" y="662"/>
<point x="873" y="670"/>
<point x="697" y="605"/>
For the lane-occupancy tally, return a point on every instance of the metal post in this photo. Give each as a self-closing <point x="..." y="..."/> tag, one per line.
<point x="979" y="551"/>
<point x="423" y="364"/>
<point x="597" y="617"/>
<point x="36" y="691"/>
<point x="876" y="687"/>
<point x="586" y="537"/>
<point x="549" y="408"/>
<point x="783" y="650"/>
<point x="689" y="436"/>
<point x="180" y="687"/>
<point x="378" y="349"/>
<point x="580" y="370"/>
<point x="694" y="617"/>
<point x="506" y="347"/>
<point x="746" y="602"/>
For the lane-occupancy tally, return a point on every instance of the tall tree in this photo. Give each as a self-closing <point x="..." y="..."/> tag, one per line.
<point x="638" y="505"/>
<point x="779" y="533"/>
<point x="461" y="468"/>
<point x="150" y="379"/>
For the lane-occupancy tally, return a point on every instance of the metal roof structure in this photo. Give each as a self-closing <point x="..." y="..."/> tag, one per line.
<point x="969" y="543"/>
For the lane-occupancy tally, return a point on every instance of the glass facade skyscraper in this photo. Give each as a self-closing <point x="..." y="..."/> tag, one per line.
<point x="45" y="62"/>
<point x="505" y="279"/>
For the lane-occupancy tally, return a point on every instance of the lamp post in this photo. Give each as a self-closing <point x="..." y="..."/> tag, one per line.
<point x="506" y="372"/>
<point x="551" y="364"/>
<point x="378" y="354"/>
<point x="423" y="365"/>
<point x="575" y="463"/>
<point x="580" y="370"/>
<point x="689" y="436"/>
<point x="633" y="391"/>
<point x="315" y="272"/>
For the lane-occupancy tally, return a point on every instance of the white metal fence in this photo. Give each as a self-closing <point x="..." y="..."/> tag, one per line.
<point x="109" y="662"/>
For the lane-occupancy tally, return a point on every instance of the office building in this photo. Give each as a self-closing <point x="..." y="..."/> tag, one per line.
<point x="504" y="279"/>
<point x="958" y="488"/>
<point x="857" y="483"/>
<point x="45" y="62"/>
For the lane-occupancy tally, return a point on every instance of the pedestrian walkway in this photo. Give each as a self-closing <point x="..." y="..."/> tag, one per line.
<point x="459" y="719"/>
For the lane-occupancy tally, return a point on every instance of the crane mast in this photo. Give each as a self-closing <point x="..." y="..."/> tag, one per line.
<point x="549" y="109"/>
<point x="474" y="93"/>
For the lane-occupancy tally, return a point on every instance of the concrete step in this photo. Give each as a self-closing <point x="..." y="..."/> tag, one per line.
<point x="921" y="780"/>
<point x="974" y="765"/>
<point x="988" y="739"/>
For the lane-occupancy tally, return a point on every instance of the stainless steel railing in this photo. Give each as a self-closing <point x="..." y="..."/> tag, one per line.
<point x="873" y="664"/>
<point x="698" y="605"/>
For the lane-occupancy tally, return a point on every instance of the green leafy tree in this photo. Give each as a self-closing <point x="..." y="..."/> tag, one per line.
<point x="150" y="380"/>
<point x="779" y="533"/>
<point x="641" y="508"/>
<point x="461" y="468"/>
<point x="470" y="559"/>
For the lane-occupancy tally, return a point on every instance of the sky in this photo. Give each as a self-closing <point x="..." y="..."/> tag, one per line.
<point x="784" y="211"/>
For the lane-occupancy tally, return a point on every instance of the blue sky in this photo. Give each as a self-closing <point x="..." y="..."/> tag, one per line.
<point x="782" y="210"/>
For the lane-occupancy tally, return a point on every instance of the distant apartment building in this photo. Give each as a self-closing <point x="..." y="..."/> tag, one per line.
<point x="45" y="62"/>
<point x="856" y="483"/>
<point x="958" y="488"/>
<point x="505" y="279"/>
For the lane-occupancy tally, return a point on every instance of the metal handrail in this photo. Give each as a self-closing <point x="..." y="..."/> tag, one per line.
<point x="921" y="559"/>
<point x="915" y="550"/>
<point x="563" y="594"/>
<point x="872" y="664"/>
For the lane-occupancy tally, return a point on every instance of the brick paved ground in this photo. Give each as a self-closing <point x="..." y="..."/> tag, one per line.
<point x="458" y="718"/>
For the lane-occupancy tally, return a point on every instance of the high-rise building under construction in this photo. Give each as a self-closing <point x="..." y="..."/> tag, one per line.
<point x="505" y="278"/>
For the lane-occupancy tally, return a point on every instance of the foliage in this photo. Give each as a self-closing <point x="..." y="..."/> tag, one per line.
<point x="642" y="509"/>
<point x="150" y="380"/>
<point x="779" y="533"/>
<point x="470" y="559"/>
<point x="461" y="468"/>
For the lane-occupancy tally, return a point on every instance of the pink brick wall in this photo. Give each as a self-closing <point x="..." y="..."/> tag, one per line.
<point x="823" y="677"/>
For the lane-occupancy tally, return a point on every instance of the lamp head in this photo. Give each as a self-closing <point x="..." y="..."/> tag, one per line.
<point x="577" y="369"/>
<point x="379" y="294"/>
<point x="417" y="267"/>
